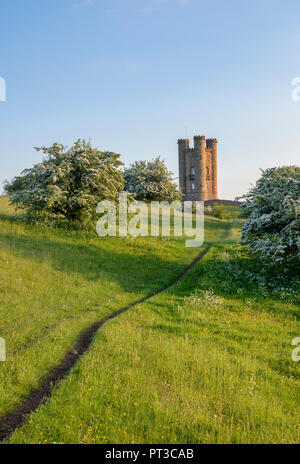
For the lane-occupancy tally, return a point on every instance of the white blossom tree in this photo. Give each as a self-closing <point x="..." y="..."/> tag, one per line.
<point x="151" y="180"/>
<point x="69" y="181"/>
<point x="272" y="208"/>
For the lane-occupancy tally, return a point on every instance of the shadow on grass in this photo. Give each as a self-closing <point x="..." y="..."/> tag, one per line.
<point x="12" y="218"/>
<point x="129" y="266"/>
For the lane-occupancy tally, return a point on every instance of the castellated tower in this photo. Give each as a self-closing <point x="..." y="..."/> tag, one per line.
<point x="198" y="176"/>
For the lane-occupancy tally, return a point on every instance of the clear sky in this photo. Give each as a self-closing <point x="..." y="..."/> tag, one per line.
<point x="136" y="75"/>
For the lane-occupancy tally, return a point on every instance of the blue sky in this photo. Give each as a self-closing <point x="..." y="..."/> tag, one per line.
<point x="136" y="75"/>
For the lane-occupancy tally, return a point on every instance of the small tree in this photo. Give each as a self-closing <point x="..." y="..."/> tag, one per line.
<point x="151" y="180"/>
<point x="272" y="227"/>
<point x="69" y="181"/>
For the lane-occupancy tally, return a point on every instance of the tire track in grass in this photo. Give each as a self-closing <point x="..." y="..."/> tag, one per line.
<point x="11" y="422"/>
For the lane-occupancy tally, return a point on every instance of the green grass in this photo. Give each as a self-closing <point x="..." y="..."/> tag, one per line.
<point x="208" y="361"/>
<point x="55" y="283"/>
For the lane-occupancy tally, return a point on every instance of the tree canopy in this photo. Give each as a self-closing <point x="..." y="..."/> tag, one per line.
<point x="69" y="181"/>
<point x="272" y="207"/>
<point x="151" y="180"/>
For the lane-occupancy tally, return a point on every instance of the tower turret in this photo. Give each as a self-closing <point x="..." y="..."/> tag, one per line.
<point x="214" y="169"/>
<point x="198" y="177"/>
<point x="200" y="149"/>
<point x="183" y="146"/>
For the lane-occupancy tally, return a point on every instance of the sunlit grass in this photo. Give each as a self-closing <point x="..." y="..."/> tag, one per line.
<point x="55" y="283"/>
<point x="208" y="361"/>
<point x="196" y="364"/>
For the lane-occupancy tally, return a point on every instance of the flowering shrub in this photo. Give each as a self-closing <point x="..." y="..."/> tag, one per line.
<point x="151" y="180"/>
<point x="68" y="182"/>
<point x="240" y="280"/>
<point x="272" y="227"/>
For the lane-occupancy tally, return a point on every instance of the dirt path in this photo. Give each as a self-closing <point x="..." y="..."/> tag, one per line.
<point x="10" y="422"/>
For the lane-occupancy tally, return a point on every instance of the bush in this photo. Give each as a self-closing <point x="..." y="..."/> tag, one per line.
<point x="272" y="227"/>
<point x="217" y="211"/>
<point x="151" y="180"/>
<point x="68" y="182"/>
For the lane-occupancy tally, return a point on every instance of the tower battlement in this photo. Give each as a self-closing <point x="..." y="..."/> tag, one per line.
<point x="210" y="143"/>
<point x="198" y="176"/>
<point x="202" y="137"/>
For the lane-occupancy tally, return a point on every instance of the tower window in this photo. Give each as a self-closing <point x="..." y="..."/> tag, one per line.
<point x="193" y="172"/>
<point x="193" y="186"/>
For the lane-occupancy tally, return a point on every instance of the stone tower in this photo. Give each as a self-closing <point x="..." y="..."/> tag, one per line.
<point x="198" y="176"/>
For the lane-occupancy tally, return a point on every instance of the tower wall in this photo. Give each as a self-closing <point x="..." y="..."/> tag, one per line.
<point x="215" y="170"/>
<point x="198" y="177"/>
<point x="183" y="146"/>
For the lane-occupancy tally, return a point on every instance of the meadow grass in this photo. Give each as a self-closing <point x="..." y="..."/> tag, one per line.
<point x="208" y="361"/>
<point x="55" y="283"/>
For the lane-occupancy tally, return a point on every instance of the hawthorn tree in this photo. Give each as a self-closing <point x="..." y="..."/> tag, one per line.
<point x="69" y="181"/>
<point x="272" y="208"/>
<point x="151" y="180"/>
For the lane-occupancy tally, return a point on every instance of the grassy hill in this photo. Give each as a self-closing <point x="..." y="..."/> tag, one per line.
<point x="208" y="361"/>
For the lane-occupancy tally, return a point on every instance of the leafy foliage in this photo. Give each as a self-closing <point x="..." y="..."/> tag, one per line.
<point x="272" y="207"/>
<point x="218" y="211"/>
<point x="151" y="180"/>
<point x="69" y="181"/>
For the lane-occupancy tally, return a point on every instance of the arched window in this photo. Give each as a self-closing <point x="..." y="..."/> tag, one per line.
<point x="193" y="172"/>
<point x="193" y="186"/>
<point x="207" y="171"/>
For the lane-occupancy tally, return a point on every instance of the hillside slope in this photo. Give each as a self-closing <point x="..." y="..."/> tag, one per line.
<point x="208" y="361"/>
